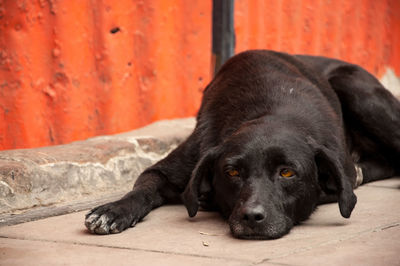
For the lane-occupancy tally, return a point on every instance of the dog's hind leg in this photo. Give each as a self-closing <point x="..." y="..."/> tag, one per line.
<point x="160" y="183"/>
<point x="372" y="118"/>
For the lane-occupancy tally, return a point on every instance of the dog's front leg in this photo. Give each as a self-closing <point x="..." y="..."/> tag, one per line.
<point x="116" y="216"/>
<point x="161" y="183"/>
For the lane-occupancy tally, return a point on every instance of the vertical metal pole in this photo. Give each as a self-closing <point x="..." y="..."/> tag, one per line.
<point x="223" y="35"/>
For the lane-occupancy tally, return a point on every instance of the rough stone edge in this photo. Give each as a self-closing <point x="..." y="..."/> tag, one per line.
<point x="51" y="176"/>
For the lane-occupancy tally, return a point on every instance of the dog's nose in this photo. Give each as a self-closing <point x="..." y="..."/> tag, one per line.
<point x="253" y="214"/>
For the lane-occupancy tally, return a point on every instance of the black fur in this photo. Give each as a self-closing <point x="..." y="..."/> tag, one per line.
<point x="265" y="112"/>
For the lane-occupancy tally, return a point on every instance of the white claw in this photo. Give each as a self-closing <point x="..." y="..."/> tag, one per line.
<point x="133" y="223"/>
<point x="360" y="176"/>
<point x="113" y="228"/>
<point x="103" y="220"/>
<point x="91" y="218"/>
<point x="102" y="230"/>
<point x="90" y="222"/>
<point x="101" y="225"/>
<point x="93" y="225"/>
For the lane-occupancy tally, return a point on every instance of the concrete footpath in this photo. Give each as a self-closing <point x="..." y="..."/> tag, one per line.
<point x="168" y="237"/>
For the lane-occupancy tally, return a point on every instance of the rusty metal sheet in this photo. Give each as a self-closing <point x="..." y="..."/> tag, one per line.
<point x="72" y="69"/>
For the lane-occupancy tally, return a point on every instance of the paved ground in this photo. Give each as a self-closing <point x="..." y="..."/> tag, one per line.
<point x="167" y="237"/>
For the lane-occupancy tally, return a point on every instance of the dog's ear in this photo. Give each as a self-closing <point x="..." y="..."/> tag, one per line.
<point x="200" y="178"/>
<point x="333" y="179"/>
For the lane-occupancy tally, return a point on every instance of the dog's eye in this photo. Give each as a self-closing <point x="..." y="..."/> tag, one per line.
<point x="232" y="172"/>
<point x="286" y="173"/>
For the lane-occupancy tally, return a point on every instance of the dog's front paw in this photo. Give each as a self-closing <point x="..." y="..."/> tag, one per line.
<point x="110" y="218"/>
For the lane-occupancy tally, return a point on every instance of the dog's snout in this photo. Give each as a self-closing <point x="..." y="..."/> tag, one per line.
<point x="253" y="214"/>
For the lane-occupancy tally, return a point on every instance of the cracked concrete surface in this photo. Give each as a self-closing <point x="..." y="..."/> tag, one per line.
<point x="168" y="237"/>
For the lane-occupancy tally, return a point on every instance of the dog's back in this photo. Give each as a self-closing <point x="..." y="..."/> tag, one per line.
<point x="258" y="83"/>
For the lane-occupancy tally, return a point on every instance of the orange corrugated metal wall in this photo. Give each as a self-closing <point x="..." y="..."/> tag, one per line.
<point x="71" y="69"/>
<point x="366" y="32"/>
<point x="65" y="76"/>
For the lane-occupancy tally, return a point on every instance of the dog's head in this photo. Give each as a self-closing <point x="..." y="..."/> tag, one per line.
<point x="264" y="183"/>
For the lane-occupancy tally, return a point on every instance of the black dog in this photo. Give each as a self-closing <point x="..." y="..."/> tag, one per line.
<point x="276" y="135"/>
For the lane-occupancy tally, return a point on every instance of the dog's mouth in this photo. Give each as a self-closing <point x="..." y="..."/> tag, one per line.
<point x="262" y="231"/>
